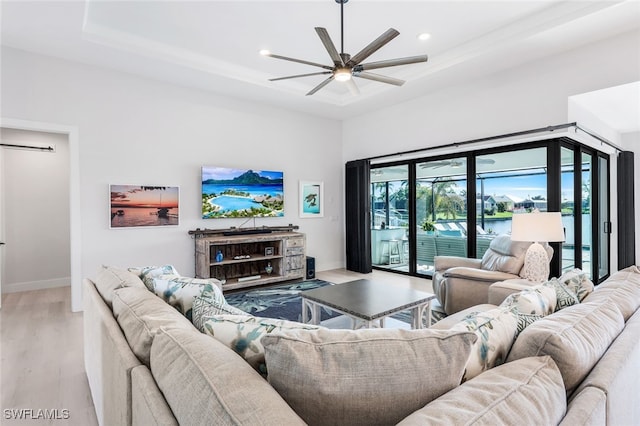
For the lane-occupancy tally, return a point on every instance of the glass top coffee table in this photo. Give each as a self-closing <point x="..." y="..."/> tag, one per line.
<point x="366" y="300"/>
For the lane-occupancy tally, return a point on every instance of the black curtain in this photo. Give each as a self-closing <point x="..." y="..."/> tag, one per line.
<point x="626" y="211"/>
<point x="357" y="216"/>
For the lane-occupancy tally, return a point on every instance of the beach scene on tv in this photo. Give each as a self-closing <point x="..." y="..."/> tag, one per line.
<point x="136" y="205"/>
<point x="228" y="193"/>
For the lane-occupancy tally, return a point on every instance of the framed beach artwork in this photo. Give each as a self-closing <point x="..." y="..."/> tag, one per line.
<point x="311" y="199"/>
<point x="133" y="206"/>
<point x="230" y="193"/>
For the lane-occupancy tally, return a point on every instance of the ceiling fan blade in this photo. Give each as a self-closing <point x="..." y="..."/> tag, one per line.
<point x="435" y="164"/>
<point x="328" y="44"/>
<point x="300" y="75"/>
<point x="485" y="161"/>
<point x="320" y="86"/>
<point x="385" y="38"/>
<point x="380" y="78"/>
<point x="300" y="61"/>
<point x="353" y="88"/>
<point x="391" y="63"/>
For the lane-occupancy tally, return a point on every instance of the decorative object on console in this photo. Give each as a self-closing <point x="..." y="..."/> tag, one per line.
<point x="536" y="227"/>
<point x="230" y="193"/>
<point x="311" y="199"/>
<point x="138" y="206"/>
<point x="268" y="269"/>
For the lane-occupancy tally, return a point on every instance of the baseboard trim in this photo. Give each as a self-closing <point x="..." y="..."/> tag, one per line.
<point x="36" y="285"/>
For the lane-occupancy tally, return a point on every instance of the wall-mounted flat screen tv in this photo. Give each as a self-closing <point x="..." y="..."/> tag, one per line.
<point x="228" y="193"/>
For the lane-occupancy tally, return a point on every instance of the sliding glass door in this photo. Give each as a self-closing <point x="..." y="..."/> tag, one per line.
<point x="455" y="205"/>
<point x="440" y="211"/>
<point x="390" y="217"/>
<point x="508" y="183"/>
<point x="603" y="224"/>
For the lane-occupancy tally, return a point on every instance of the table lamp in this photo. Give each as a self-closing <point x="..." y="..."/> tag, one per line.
<point x="537" y="227"/>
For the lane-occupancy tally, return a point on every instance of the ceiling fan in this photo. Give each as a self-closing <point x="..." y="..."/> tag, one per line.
<point x="345" y="66"/>
<point x="453" y="163"/>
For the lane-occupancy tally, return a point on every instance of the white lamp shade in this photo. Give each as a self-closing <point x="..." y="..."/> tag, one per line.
<point x="537" y="227"/>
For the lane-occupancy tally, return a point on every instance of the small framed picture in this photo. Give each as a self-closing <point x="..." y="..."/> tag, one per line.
<point x="311" y="199"/>
<point x="268" y="251"/>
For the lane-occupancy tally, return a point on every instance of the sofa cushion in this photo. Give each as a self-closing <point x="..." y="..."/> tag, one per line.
<point x="575" y="337"/>
<point x="496" y="330"/>
<point x="140" y="315"/>
<point x="110" y="278"/>
<point x="180" y="292"/>
<point x="367" y="376"/>
<point x="527" y="391"/>
<point x="206" y="383"/>
<point x="147" y="273"/>
<point x="205" y="308"/>
<point x="538" y="300"/>
<point x="578" y="281"/>
<point x="622" y="288"/>
<point x="565" y="296"/>
<point x="243" y="334"/>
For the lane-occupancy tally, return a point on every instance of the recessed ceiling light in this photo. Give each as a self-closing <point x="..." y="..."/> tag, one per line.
<point x="424" y="36"/>
<point x="265" y="52"/>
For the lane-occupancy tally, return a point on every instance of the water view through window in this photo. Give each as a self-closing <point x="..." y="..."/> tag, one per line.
<point x="505" y="183"/>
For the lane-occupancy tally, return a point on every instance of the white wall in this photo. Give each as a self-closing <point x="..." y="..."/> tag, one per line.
<point x="137" y="131"/>
<point x="526" y="97"/>
<point x="36" y="212"/>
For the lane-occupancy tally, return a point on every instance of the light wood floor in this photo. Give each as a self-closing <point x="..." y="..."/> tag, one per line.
<point x="42" y="363"/>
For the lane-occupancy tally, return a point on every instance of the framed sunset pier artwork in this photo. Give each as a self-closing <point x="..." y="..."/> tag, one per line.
<point x="139" y="206"/>
<point x="229" y="193"/>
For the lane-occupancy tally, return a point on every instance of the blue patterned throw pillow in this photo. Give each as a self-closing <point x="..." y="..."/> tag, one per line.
<point x="243" y="333"/>
<point x="180" y="292"/>
<point x="496" y="330"/>
<point x="148" y="273"/>
<point x="564" y="295"/>
<point x="205" y="307"/>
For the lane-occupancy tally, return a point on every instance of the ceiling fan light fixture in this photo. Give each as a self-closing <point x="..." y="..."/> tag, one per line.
<point x="265" y="52"/>
<point x="342" y="74"/>
<point x="424" y="36"/>
<point x="344" y="66"/>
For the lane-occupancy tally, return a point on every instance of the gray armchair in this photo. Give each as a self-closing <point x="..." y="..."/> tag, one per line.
<point x="460" y="282"/>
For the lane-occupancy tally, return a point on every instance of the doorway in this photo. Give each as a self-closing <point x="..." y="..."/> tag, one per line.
<point x="35" y="197"/>
<point x="73" y="218"/>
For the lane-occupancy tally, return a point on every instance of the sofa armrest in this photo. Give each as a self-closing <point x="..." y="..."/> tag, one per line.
<point x="478" y="274"/>
<point x="501" y="290"/>
<point x="148" y="406"/>
<point x="461" y="288"/>
<point x="442" y="263"/>
<point x="587" y="408"/>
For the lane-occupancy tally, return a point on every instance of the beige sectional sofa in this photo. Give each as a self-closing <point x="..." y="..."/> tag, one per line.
<point x="148" y="365"/>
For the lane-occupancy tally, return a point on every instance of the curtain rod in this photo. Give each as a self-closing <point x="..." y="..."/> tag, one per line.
<point x="507" y="135"/>
<point x="40" y="148"/>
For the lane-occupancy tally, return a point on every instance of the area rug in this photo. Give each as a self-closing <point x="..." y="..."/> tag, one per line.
<point x="283" y="301"/>
<point x="280" y="301"/>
